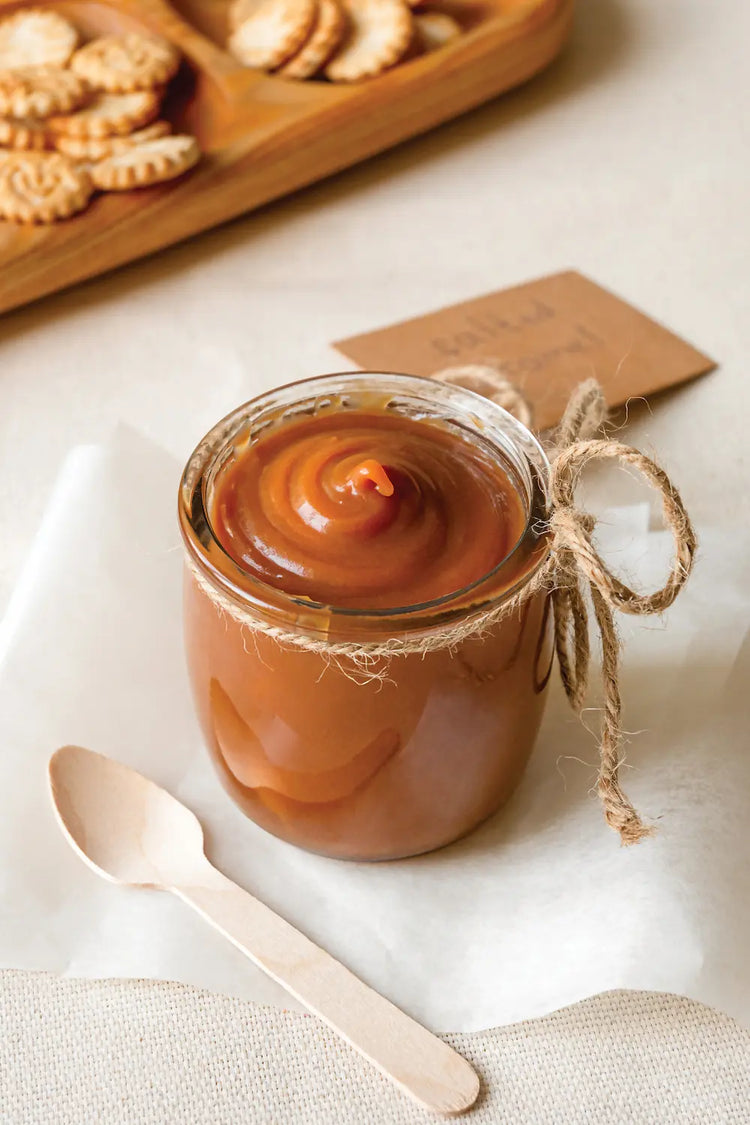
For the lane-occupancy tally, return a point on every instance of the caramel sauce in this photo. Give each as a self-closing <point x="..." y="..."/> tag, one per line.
<point x="366" y="509"/>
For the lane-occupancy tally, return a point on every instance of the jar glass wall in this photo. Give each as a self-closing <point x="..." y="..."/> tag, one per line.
<point x="416" y="749"/>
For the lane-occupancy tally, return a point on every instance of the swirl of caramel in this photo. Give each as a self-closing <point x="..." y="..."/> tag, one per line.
<point x="366" y="509"/>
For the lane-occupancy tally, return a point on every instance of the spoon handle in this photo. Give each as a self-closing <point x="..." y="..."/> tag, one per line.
<point x="419" y="1063"/>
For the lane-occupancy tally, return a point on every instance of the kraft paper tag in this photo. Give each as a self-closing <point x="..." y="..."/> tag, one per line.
<point x="545" y="337"/>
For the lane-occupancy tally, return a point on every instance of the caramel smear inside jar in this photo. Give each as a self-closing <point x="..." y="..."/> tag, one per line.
<point x="366" y="509"/>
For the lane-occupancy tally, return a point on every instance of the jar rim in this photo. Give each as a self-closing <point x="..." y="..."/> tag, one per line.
<point x="481" y="418"/>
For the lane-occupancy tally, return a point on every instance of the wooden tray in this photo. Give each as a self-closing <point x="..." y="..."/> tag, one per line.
<point x="265" y="136"/>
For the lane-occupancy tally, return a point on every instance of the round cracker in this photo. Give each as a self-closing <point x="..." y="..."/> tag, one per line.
<point x="122" y="63"/>
<point x="109" y="115"/>
<point x="380" y="33"/>
<point x="239" y="11"/>
<point x="435" y="29"/>
<point x="40" y="187"/>
<point x="40" y="91"/>
<point x="148" y="163"/>
<point x="273" y="32"/>
<point x="25" y="134"/>
<point x="33" y="37"/>
<point x="328" y="31"/>
<point x="99" y="148"/>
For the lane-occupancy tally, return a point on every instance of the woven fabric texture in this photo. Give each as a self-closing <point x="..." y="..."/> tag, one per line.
<point x="140" y="1053"/>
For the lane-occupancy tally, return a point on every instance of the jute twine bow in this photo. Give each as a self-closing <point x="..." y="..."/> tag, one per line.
<point x="575" y="567"/>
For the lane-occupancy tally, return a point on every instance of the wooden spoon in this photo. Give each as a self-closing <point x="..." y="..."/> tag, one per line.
<point x="131" y="831"/>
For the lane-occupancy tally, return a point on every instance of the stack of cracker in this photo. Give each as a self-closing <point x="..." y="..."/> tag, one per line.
<point x="341" y="40"/>
<point x="74" y="119"/>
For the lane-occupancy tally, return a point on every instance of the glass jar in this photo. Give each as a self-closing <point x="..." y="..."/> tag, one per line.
<point x="391" y="757"/>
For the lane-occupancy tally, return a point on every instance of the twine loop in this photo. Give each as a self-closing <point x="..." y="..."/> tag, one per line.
<point x="489" y="382"/>
<point x="576" y="569"/>
<point x="566" y="470"/>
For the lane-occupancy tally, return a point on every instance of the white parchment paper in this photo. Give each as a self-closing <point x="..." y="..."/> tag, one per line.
<point x="537" y="909"/>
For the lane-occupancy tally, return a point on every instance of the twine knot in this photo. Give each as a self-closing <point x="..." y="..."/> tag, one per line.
<point x="578" y="573"/>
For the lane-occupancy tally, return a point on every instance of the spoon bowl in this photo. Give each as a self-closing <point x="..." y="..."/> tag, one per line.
<point x="125" y="826"/>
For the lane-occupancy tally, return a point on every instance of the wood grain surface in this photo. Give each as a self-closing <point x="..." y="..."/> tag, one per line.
<point x="265" y="136"/>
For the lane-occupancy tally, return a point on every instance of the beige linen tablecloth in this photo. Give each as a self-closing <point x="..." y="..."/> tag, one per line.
<point x="119" y="1052"/>
<point x="629" y="161"/>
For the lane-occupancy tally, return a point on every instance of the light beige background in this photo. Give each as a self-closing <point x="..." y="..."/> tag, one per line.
<point x="629" y="161"/>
